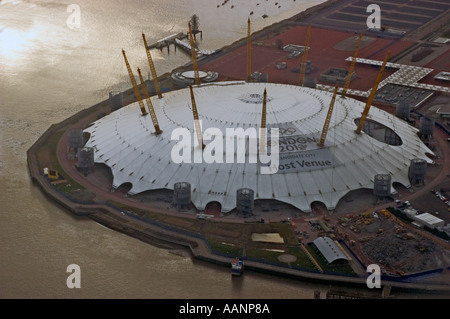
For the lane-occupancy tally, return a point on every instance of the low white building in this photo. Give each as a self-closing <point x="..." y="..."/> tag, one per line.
<point x="330" y="251"/>
<point x="429" y="220"/>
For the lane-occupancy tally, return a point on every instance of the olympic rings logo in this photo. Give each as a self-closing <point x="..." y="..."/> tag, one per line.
<point x="287" y="131"/>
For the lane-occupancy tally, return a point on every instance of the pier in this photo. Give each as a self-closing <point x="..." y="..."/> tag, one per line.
<point x="165" y="42"/>
<point x="177" y="40"/>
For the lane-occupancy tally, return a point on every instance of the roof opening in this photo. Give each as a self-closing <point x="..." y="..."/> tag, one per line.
<point x="380" y="132"/>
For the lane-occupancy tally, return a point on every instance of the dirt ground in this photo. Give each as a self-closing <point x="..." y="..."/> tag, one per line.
<point x="395" y="246"/>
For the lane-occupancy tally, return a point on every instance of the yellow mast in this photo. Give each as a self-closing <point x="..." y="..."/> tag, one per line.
<point x="196" y="119"/>
<point x="152" y="68"/>
<point x="249" y="52"/>
<point x="149" y="104"/>
<point x="352" y="67"/>
<point x="262" y="141"/>
<point x="328" y="119"/>
<point x="305" y="57"/>
<point x="194" y="56"/>
<point x="371" y="96"/>
<point x="135" y="87"/>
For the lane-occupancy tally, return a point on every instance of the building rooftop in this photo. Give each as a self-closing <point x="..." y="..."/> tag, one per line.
<point x="329" y="249"/>
<point x="429" y="219"/>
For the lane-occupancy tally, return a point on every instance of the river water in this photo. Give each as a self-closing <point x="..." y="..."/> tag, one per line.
<point x="49" y="71"/>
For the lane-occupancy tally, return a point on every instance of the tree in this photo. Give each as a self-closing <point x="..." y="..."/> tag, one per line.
<point x="279" y="44"/>
<point x="195" y="25"/>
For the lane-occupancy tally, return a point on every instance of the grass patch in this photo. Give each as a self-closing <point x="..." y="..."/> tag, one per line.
<point x="263" y="254"/>
<point x="180" y="222"/>
<point x="70" y="186"/>
<point x="302" y="259"/>
<point x="225" y="229"/>
<point x="135" y="210"/>
<point x="188" y="224"/>
<point x="225" y="248"/>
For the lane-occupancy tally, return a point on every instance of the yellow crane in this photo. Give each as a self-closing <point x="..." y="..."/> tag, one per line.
<point x="249" y="52"/>
<point x="305" y="57"/>
<point x="135" y="87"/>
<point x="371" y="96"/>
<point x="262" y="140"/>
<point x="196" y="119"/>
<point x="149" y="104"/>
<point x="328" y="119"/>
<point x="352" y="67"/>
<point x="152" y="68"/>
<point x="194" y="56"/>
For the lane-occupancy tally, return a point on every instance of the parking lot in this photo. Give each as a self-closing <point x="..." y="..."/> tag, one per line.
<point x="404" y="15"/>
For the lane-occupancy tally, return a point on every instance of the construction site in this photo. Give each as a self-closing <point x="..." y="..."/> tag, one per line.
<point x="363" y="166"/>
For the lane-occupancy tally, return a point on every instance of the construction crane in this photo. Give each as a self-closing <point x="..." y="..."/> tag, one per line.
<point x="135" y="87"/>
<point x="194" y="56"/>
<point x="328" y="119"/>
<point x="262" y="140"/>
<point x="152" y="68"/>
<point x="352" y="67"/>
<point x="196" y="119"/>
<point x="364" y="114"/>
<point x="305" y="57"/>
<point x="149" y="104"/>
<point x="249" y="52"/>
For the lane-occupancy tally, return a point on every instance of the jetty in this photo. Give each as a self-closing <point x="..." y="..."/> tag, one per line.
<point x="165" y="42"/>
<point x="186" y="47"/>
<point x="177" y="40"/>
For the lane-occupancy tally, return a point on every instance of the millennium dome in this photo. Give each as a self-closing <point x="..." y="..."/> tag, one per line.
<point x="306" y="172"/>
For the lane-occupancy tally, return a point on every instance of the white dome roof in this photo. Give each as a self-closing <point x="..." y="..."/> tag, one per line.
<point x="125" y="141"/>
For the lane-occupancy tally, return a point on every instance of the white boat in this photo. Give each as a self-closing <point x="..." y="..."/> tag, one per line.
<point x="237" y="267"/>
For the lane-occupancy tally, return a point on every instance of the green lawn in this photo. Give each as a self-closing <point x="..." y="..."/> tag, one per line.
<point x="302" y="260"/>
<point x="225" y="248"/>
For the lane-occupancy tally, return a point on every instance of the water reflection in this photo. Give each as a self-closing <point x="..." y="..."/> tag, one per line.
<point x="16" y="44"/>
